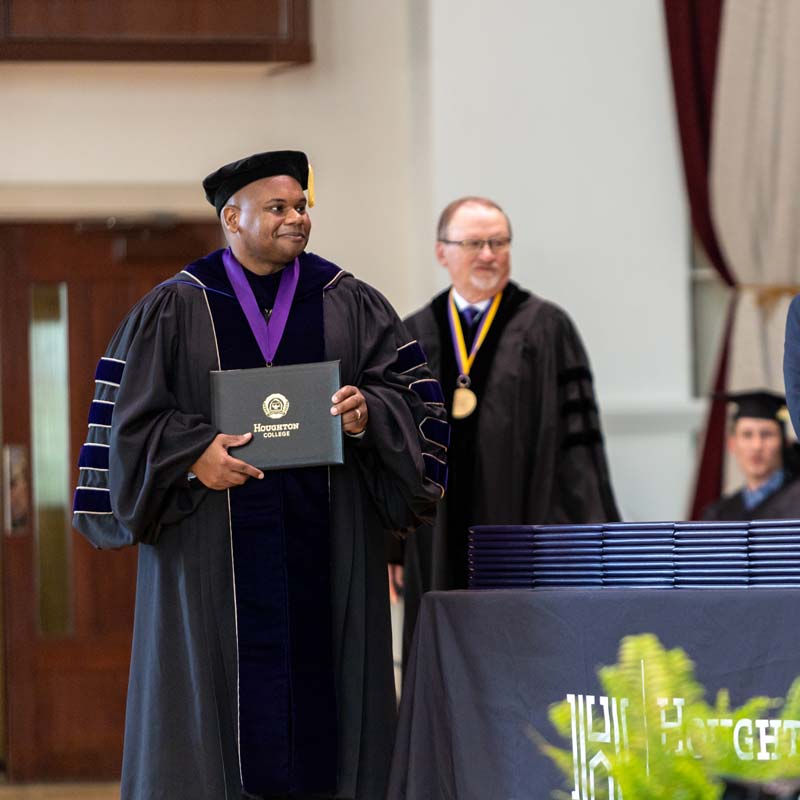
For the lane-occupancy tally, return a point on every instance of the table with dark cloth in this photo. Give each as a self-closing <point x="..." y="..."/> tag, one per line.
<point x="486" y="666"/>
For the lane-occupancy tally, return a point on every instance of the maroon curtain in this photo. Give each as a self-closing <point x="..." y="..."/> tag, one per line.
<point x="693" y="33"/>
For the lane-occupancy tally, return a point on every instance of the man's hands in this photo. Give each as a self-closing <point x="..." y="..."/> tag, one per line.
<point x="219" y="470"/>
<point x="350" y="405"/>
<point x="396" y="578"/>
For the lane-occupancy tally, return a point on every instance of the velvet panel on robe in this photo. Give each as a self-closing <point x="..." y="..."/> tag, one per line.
<point x="181" y="736"/>
<point x="531" y="453"/>
<point x="281" y="553"/>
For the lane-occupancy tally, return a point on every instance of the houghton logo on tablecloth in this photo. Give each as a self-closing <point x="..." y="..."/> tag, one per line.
<point x="652" y="727"/>
<point x="601" y="727"/>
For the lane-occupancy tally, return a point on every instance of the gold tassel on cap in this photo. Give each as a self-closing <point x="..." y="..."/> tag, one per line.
<point x="310" y="186"/>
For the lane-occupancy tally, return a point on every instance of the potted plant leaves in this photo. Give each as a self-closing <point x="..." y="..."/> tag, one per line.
<point x="669" y="743"/>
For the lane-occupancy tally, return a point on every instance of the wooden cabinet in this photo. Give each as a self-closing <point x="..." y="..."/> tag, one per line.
<point x="144" y="30"/>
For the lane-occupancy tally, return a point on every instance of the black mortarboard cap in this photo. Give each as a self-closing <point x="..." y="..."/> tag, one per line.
<point x="761" y="405"/>
<point x="222" y="183"/>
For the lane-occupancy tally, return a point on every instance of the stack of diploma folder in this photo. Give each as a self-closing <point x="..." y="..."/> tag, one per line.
<point x="658" y="555"/>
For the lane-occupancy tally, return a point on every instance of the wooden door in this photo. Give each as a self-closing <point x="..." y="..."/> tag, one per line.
<point x="68" y="609"/>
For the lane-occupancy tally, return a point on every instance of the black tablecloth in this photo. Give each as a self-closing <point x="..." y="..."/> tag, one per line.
<point x="486" y="666"/>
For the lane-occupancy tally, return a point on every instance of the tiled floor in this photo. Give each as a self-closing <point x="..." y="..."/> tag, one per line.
<point x="61" y="791"/>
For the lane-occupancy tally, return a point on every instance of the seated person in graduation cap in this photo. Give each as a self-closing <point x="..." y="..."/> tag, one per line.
<point x="262" y="659"/>
<point x="757" y="440"/>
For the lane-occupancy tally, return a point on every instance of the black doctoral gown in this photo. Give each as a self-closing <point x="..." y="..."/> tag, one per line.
<point x="532" y="451"/>
<point x="781" y="504"/>
<point x="194" y="696"/>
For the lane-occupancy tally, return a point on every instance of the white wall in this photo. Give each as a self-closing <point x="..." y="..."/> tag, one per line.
<point x="164" y="126"/>
<point x="561" y="111"/>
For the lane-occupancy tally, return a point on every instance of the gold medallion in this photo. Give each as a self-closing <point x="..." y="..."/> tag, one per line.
<point x="464" y="402"/>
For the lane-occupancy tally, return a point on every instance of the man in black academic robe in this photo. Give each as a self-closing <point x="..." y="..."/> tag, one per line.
<point x="531" y="449"/>
<point x="757" y="440"/>
<point x="261" y="663"/>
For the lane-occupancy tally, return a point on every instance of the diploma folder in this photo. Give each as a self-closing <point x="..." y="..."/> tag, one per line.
<point x="287" y="409"/>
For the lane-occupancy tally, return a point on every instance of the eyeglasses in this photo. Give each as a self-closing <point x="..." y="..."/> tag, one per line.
<point x="498" y="245"/>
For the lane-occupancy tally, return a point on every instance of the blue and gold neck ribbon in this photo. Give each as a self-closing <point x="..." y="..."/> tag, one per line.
<point x="465" y="360"/>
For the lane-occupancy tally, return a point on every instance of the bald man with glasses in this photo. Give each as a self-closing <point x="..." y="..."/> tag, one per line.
<point x="526" y="444"/>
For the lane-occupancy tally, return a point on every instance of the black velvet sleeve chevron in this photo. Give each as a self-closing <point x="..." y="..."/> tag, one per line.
<point x="139" y="444"/>
<point x="579" y="413"/>
<point x="403" y="454"/>
<point x="583" y="488"/>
